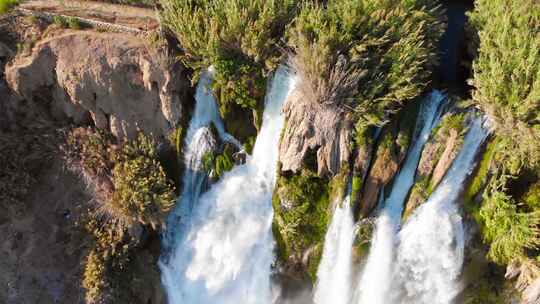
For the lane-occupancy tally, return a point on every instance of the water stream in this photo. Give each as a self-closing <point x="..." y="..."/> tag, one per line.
<point x="432" y="242"/>
<point x="334" y="273"/>
<point x="224" y="253"/>
<point x="374" y="283"/>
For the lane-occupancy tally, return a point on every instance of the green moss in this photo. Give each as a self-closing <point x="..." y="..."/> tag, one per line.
<point x="479" y="181"/>
<point x="302" y="222"/>
<point x="356" y="187"/>
<point x="532" y="197"/>
<point x="7" y="5"/>
<point x="314" y="261"/>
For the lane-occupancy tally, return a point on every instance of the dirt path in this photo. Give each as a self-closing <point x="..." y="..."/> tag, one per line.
<point x="143" y="19"/>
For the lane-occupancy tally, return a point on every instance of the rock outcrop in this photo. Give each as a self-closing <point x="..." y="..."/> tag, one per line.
<point x="115" y="80"/>
<point x="315" y="135"/>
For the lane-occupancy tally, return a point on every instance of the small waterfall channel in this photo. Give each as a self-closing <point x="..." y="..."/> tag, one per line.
<point x="375" y="280"/>
<point x="432" y="242"/>
<point x="222" y="249"/>
<point x="334" y="273"/>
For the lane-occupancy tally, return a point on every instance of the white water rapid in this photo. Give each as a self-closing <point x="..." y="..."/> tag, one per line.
<point x="432" y="242"/>
<point x="224" y="254"/>
<point x="375" y="281"/>
<point x="334" y="273"/>
<point x="198" y="141"/>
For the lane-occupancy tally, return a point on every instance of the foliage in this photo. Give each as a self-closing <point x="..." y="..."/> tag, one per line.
<point x="507" y="73"/>
<point x="507" y="88"/>
<point x="240" y="38"/>
<point x="218" y="164"/>
<point x="128" y="181"/>
<point x="301" y="210"/>
<point x="95" y="278"/>
<point x="507" y="229"/>
<point x="7" y="5"/>
<point x="142" y="192"/>
<point x="365" y="56"/>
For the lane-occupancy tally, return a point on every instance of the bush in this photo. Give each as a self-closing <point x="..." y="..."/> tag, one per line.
<point x="128" y="182"/>
<point x="507" y="73"/>
<point x="365" y="56"/>
<point x="507" y="87"/>
<point x="240" y="38"/>
<point x="508" y="230"/>
<point x="141" y="189"/>
<point x="7" y="5"/>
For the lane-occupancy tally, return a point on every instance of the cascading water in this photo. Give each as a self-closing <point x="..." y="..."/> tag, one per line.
<point x="225" y="253"/>
<point x="375" y="280"/>
<point x="199" y="140"/>
<point x="431" y="251"/>
<point x="334" y="274"/>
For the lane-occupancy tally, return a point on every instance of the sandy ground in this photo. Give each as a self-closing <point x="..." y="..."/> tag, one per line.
<point x="135" y="17"/>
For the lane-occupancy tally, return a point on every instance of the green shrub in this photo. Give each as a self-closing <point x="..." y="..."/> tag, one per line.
<point x="507" y="72"/>
<point x="7" y="5"/>
<point x="240" y="38"/>
<point x="141" y="190"/>
<point x="365" y="56"/>
<point x="218" y="164"/>
<point x="508" y="230"/>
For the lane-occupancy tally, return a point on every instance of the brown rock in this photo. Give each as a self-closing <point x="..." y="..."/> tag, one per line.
<point x="106" y="75"/>
<point x="312" y="128"/>
<point x="383" y="170"/>
<point x="449" y="154"/>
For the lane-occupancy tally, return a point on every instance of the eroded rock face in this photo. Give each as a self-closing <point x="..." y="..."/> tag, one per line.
<point x="115" y="80"/>
<point x="314" y="131"/>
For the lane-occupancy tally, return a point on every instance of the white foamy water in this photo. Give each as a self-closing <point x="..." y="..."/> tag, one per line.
<point x="198" y="141"/>
<point x="333" y="284"/>
<point x="376" y="278"/>
<point x="432" y="242"/>
<point x="225" y="253"/>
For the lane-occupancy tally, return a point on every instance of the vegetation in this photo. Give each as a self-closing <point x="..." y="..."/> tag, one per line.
<point x="141" y="190"/>
<point x="7" y="5"/>
<point x="302" y="206"/>
<point x="132" y="192"/>
<point x="365" y="56"/>
<point x="507" y="72"/>
<point x="508" y="230"/>
<point x="218" y="164"/>
<point x="507" y="88"/>
<point x="239" y="38"/>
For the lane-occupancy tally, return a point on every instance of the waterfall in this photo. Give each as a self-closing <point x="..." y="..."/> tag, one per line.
<point x="374" y="283"/>
<point x="225" y="253"/>
<point x="199" y="141"/>
<point x="334" y="273"/>
<point x="431" y="251"/>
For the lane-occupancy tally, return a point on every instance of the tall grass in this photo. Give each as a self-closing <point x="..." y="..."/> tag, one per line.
<point x="366" y="56"/>
<point x="240" y="38"/>
<point x="507" y="72"/>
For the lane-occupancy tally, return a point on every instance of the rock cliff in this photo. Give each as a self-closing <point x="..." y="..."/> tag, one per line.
<point x="114" y="80"/>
